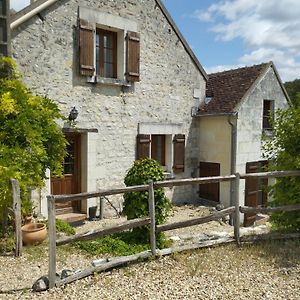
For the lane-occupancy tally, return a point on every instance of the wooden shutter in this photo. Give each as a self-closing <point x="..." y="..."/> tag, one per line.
<point x="143" y="146"/>
<point x="133" y="56"/>
<point x="179" y="150"/>
<point x="209" y="191"/>
<point x="86" y="48"/>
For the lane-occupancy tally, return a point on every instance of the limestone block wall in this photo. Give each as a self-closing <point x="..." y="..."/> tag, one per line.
<point x="249" y="123"/>
<point x="45" y="48"/>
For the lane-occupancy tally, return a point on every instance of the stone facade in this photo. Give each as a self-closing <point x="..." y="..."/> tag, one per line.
<point x="250" y="122"/>
<point x="46" y="50"/>
<point x="215" y="133"/>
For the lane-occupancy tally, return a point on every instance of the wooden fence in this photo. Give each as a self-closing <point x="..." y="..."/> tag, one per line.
<point x="234" y="210"/>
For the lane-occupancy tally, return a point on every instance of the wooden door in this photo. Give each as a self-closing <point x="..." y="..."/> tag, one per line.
<point x="70" y="182"/>
<point x="209" y="191"/>
<point x="255" y="190"/>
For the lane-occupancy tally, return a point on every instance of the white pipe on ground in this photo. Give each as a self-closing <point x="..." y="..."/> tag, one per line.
<point x="30" y="14"/>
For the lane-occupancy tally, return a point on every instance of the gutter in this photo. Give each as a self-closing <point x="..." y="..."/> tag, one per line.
<point x="31" y="13"/>
<point x="232" y="121"/>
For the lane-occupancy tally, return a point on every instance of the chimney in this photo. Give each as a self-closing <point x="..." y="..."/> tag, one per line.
<point x="5" y="28"/>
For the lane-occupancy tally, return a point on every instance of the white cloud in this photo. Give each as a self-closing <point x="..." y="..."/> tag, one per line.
<point x="270" y="30"/>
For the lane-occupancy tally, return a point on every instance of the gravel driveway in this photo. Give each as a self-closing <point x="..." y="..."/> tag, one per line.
<point x="224" y="272"/>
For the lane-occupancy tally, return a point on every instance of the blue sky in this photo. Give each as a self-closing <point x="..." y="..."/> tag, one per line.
<point x="226" y="34"/>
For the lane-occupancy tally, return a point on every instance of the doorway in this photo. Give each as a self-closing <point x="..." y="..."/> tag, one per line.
<point x="256" y="193"/>
<point x="69" y="183"/>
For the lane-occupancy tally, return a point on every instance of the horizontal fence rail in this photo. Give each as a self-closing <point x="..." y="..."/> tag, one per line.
<point x="90" y="235"/>
<point x="150" y="220"/>
<point x="266" y="210"/>
<point x="196" y="221"/>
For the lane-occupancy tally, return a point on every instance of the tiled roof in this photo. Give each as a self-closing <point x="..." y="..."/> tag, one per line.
<point x="226" y="89"/>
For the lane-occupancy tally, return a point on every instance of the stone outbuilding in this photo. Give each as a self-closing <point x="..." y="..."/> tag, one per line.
<point x="128" y="72"/>
<point x="233" y="119"/>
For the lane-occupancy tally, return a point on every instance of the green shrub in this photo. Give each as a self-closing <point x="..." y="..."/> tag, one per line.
<point x="136" y="203"/>
<point x="283" y="152"/>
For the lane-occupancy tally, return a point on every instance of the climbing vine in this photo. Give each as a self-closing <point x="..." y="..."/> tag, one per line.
<point x="30" y="139"/>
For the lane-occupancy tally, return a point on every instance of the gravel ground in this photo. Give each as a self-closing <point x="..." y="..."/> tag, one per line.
<point x="220" y="273"/>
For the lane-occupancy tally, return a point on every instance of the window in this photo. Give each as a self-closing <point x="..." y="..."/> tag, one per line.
<point x="102" y="52"/>
<point x="268" y="114"/>
<point x="106" y="53"/>
<point x="159" y="147"/>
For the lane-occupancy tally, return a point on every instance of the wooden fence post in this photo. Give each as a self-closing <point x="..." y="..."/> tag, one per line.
<point x="17" y="215"/>
<point x="152" y="218"/>
<point x="52" y="241"/>
<point x="101" y="208"/>
<point x="237" y="221"/>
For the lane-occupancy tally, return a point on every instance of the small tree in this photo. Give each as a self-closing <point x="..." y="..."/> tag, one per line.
<point x="136" y="203"/>
<point x="283" y="151"/>
<point x="30" y="139"/>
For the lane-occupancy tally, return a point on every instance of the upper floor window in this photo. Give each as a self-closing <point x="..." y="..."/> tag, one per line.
<point x="110" y="54"/>
<point x="106" y="53"/>
<point x="268" y="114"/>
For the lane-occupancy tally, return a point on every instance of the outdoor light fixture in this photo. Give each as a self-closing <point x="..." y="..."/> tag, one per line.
<point x="73" y="114"/>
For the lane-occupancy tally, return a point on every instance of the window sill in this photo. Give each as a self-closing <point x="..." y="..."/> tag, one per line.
<point x="108" y="81"/>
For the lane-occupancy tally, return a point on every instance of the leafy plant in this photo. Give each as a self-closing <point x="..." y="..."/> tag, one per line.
<point x="30" y="139"/>
<point x="117" y="244"/>
<point x="136" y="203"/>
<point x="62" y="226"/>
<point x="283" y="150"/>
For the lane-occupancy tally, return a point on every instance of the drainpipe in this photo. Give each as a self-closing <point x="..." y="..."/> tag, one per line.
<point x="31" y="13"/>
<point x="232" y="121"/>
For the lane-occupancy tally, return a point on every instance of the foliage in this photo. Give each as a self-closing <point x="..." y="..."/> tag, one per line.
<point x="293" y="90"/>
<point x="30" y="139"/>
<point x="119" y="244"/>
<point x="283" y="150"/>
<point x="62" y="226"/>
<point x="136" y="203"/>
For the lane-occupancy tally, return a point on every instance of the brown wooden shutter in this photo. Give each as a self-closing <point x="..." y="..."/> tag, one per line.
<point x="179" y="150"/>
<point x="143" y="146"/>
<point x="86" y="48"/>
<point x="209" y="191"/>
<point x="133" y="56"/>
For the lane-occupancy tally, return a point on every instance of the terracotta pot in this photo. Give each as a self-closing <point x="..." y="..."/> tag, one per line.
<point x="33" y="233"/>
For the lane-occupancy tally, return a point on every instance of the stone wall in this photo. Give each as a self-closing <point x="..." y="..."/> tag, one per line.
<point x="45" y="48"/>
<point x="249" y="124"/>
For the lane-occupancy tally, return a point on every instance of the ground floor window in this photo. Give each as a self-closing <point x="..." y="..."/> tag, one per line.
<point x="167" y="149"/>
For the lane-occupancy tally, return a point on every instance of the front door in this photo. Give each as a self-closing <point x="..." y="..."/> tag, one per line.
<point x="255" y="190"/>
<point x="70" y="182"/>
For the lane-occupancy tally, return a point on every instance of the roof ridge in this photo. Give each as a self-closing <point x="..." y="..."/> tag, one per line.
<point x="240" y="68"/>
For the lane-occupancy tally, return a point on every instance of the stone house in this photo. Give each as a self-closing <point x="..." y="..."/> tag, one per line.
<point x="136" y="84"/>
<point x="233" y="118"/>
<point x="131" y="76"/>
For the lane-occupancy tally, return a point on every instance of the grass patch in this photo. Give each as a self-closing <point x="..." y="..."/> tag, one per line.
<point x="118" y="244"/>
<point x="64" y="227"/>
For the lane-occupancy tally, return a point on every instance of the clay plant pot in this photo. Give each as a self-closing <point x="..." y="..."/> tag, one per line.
<point x="33" y="233"/>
